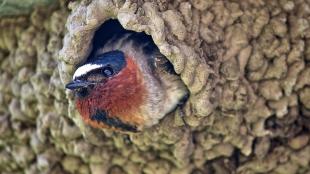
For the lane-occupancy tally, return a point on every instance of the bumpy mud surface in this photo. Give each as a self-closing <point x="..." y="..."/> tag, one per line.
<point x="246" y="65"/>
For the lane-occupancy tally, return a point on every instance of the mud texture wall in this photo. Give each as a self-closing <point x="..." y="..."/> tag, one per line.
<point x="246" y="65"/>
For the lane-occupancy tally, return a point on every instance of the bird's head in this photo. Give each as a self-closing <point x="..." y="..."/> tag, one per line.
<point x="109" y="92"/>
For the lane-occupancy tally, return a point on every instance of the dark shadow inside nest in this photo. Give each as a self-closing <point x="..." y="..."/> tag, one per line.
<point x="113" y="30"/>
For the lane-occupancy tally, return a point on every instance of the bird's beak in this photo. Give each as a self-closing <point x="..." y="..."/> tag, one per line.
<point x="77" y="84"/>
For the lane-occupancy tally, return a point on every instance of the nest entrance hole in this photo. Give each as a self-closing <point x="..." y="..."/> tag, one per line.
<point x="112" y="29"/>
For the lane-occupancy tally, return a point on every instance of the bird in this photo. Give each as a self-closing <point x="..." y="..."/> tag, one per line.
<point x="126" y="85"/>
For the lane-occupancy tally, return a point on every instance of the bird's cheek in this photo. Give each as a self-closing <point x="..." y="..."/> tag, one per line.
<point x="82" y="93"/>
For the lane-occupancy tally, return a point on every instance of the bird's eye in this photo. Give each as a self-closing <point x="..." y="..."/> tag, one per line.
<point x="107" y="71"/>
<point x="99" y="75"/>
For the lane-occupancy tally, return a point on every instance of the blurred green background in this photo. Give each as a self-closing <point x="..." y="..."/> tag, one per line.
<point x="20" y="7"/>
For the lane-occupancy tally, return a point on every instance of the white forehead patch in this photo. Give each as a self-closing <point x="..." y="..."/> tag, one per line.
<point x="83" y="70"/>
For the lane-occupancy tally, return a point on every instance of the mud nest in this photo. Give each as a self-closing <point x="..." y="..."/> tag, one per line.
<point x="246" y="65"/>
